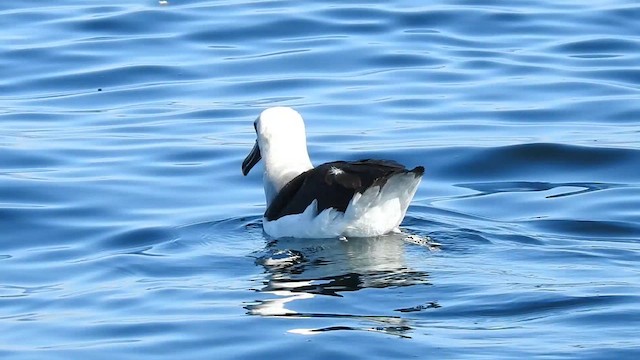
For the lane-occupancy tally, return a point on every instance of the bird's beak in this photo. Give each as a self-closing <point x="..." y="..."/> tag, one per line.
<point x="251" y="159"/>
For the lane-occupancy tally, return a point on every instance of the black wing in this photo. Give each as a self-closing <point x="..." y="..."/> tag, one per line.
<point x="333" y="185"/>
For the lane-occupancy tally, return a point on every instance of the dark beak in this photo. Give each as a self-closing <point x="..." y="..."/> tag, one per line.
<point x="251" y="159"/>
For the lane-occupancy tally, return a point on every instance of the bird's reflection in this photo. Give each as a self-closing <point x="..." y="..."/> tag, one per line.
<point x="301" y="269"/>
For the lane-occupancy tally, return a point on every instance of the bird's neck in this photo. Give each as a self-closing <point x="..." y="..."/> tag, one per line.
<point x="279" y="171"/>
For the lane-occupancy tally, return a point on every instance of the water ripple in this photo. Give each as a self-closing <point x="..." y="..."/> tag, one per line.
<point x="127" y="227"/>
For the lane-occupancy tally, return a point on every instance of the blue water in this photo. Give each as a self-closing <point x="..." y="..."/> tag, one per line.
<point x="128" y="231"/>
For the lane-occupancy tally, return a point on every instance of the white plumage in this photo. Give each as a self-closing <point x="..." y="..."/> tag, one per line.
<point x="353" y="199"/>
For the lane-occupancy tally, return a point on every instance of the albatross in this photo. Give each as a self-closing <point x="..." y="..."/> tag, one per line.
<point x="339" y="199"/>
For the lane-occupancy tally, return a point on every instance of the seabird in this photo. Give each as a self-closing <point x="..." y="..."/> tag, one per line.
<point x="361" y="198"/>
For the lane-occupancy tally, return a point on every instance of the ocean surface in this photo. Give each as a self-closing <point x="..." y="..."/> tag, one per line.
<point x="127" y="230"/>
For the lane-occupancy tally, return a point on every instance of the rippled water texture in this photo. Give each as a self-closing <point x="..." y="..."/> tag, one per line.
<point x="128" y="231"/>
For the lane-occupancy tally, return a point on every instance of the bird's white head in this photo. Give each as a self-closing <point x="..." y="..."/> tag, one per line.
<point x="282" y="143"/>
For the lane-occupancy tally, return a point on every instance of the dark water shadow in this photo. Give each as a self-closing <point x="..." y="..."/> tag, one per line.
<point x="305" y="269"/>
<point x="490" y="188"/>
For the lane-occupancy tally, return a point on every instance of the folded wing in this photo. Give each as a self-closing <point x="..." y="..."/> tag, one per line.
<point x="333" y="185"/>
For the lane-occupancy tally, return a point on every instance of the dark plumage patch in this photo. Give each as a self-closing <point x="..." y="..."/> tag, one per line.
<point x="333" y="185"/>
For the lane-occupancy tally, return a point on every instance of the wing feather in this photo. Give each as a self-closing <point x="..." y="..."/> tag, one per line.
<point x="333" y="185"/>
